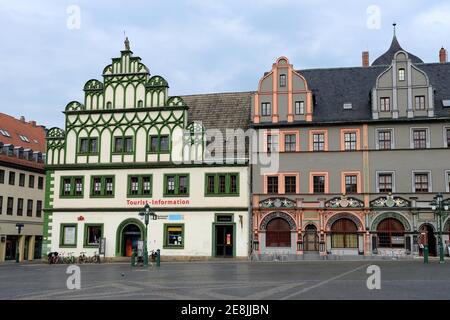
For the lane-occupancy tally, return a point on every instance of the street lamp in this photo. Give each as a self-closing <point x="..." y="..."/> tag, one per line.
<point x="147" y="213"/>
<point x="19" y="227"/>
<point x="440" y="207"/>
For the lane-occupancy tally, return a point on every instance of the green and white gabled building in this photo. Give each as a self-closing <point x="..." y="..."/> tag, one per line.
<point x="130" y="143"/>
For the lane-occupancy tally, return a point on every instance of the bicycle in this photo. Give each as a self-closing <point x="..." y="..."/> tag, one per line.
<point x="82" y="258"/>
<point x="70" y="258"/>
<point x="95" y="258"/>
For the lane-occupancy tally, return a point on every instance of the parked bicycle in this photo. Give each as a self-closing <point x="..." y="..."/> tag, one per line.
<point x="82" y="258"/>
<point x="53" y="257"/>
<point x="95" y="258"/>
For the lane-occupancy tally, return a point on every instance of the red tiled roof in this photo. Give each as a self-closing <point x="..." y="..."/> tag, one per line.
<point x="21" y="162"/>
<point x="16" y="127"/>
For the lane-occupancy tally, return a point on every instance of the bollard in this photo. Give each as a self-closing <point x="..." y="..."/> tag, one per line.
<point x="425" y="254"/>
<point x="133" y="259"/>
<point x="158" y="258"/>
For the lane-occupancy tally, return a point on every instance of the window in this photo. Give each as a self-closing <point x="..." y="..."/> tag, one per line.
<point x="419" y="138"/>
<point x="350" y="141"/>
<point x="159" y="144"/>
<point x="420" y="102"/>
<point x="109" y="105"/>
<point x="31" y="181"/>
<point x="290" y="142"/>
<point x="272" y="184"/>
<point x="447" y="136"/>
<point x="24" y="138"/>
<point x="12" y="178"/>
<point x="266" y="109"/>
<point x="222" y="183"/>
<point x="173" y="236"/>
<point x="102" y="186"/>
<point x="421" y="182"/>
<point x="272" y="143"/>
<point x="140" y="104"/>
<point x="72" y="187"/>
<point x="385" y="182"/>
<point x="391" y="234"/>
<point x="278" y="233"/>
<point x="88" y="145"/>
<point x="282" y="80"/>
<point x="140" y="185"/>
<point x="351" y="183"/>
<point x="123" y="144"/>
<point x="2" y="176"/>
<point x="385" y="104"/>
<point x="347" y="106"/>
<point x="290" y="184"/>
<point x="9" y="206"/>
<point x="318" y="141"/>
<point x="20" y="207"/>
<point x="344" y="234"/>
<point x="92" y="234"/>
<point x="68" y="235"/>
<point x="176" y="185"/>
<point x="21" y="180"/>
<point x="40" y="183"/>
<point x="401" y="74"/>
<point x="384" y="139"/>
<point x="1" y="205"/>
<point x="299" y="107"/>
<point x="5" y="133"/>
<point x="447" y="183"/>
<point x="30" y="208"/>
<point x="319" y="184"/>
<point x="38" y="208"/>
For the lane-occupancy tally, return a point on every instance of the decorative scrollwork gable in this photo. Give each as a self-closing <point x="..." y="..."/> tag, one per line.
<point x="344" y="202"/>
<point x="277" y="203"/>
<point x="390" y="202"/>
<point x="75" y="106"/>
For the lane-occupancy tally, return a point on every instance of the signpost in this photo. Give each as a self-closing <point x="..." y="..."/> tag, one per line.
<point x="102" y="247"/>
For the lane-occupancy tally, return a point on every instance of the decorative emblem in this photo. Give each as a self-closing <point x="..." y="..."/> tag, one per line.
<point x="344" y="202"/>
<point x="80" y="218"/>
<point x="390" y="202"/>
<point x="277" y="203"/>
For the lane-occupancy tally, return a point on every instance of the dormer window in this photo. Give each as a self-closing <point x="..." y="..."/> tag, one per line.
<point x="282" y="80"/>
<point x="5" y="133"/>
<point x="401" y="74"/>
<point x="23" y="138"/>
<point x="266" y="109"/>
<point x="420" y="102"/>
<point x="299" y="107"/>
<point x="347" y="106"/>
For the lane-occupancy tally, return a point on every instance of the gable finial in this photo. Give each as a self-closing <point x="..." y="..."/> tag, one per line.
<point x="394" y="25"/>
<point x="127" y="42"/>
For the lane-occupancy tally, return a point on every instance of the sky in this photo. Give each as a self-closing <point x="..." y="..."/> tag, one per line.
<point x="49" y="49"/>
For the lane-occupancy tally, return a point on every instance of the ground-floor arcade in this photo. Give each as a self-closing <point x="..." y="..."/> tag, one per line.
<point x="23" y="246"/>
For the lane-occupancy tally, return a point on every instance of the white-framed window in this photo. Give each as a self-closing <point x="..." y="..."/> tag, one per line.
<point x="347" y="106"/>
<point x="272" y="143"/>
<point x="266" y="109"/>
<point x="299" y="107"/>
<point x="384" y="138"/>
<point x="385" y="181"/>
<point x="385" y="104"/>
<point x="421" y="181"/>
<point x="419" y="138"/>
<point x="447" y="137"/>
<point x="401" y="74"/>
<point x="420" y="102"/>
<point x="282" y="80"/>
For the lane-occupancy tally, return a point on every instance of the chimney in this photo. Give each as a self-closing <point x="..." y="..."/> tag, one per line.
<point x="443" y="55"/>
<point x="22" y="119"/>
<point x="33" y="123"/>
<point x="365" y="59"/>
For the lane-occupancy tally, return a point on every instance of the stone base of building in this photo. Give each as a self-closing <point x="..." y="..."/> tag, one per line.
<point x="327" y="257"/>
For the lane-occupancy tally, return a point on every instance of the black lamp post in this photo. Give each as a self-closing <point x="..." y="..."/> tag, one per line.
<point x="19" y="227"/>
<point x="440" y="207"/>
<point x="147" y="213"/>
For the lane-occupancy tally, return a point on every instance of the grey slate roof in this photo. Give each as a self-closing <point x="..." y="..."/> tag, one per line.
<point x="336" y="86"/>
<point x="220" y="110"/>
<point x="387" y="57"/>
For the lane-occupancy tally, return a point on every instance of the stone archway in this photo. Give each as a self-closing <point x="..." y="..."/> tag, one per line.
<point x="344" y="215"/>
<point x="394" y="215"/>
<point x="120" y="230"/>
<point x="265" y="221"/>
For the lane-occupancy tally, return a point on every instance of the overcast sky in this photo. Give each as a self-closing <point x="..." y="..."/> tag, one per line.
<point x="199" y="46"/>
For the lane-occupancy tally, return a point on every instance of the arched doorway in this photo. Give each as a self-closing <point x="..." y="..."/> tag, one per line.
<point x="128" y="234"/>
<point x="344" y="234"/>
<point x="278" y="233"/>
<point x="391" y="234"/>
<point x="432" y="250"/>
<point x="311" y="239"/>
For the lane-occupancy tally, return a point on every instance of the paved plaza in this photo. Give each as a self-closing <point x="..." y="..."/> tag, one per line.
<point x="229" y="280"/>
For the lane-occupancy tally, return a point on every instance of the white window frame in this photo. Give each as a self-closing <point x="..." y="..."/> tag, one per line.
<point x="444" y="135"/>
<point x="377" y="180"/>
<point x="301" y="107"/>
<point x="404" y="74"/>
<point x="447" y="180"/>
<point x="411" y="138"/>
<point x="430" y="181"/>
<point x="377" y="143"/>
